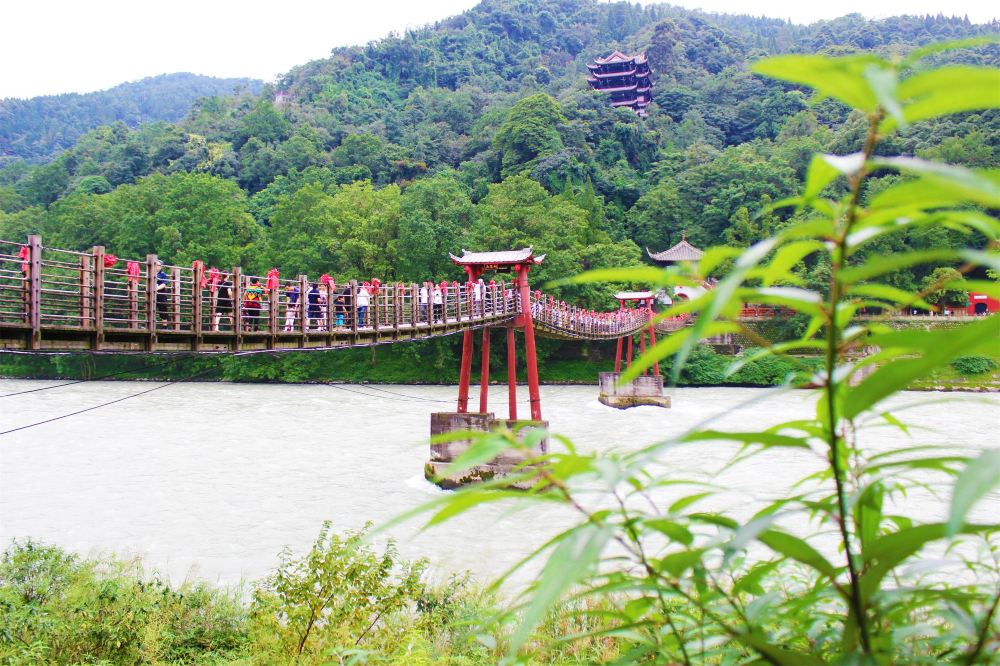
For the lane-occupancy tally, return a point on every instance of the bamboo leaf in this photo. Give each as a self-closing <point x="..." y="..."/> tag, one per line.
<point x="979" y="477"/>
<point x="571" y="560"/>
<point x="765" y="439"/>
<point x="979" y="185"/>
<point x="671" y="529"/>
<point x="840" y="78"/>
<point x="890" y="294"/>
<point x="938" y="47"/>
<point x="947" y="90"/>
<point x="799" y="550"/>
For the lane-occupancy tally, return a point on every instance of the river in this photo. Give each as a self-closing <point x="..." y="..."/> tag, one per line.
<point x="211" y="480"/>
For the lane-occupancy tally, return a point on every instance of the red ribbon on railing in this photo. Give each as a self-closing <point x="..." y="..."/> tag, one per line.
<point x="272" y="279"/>
<point x="24" y="254"/>
<point x="375" y="285"/>
<point x="132" y="269"/>
<point x="213" y="279"/>
<point x="110" y="260"/>
<point x="326" y="280"/>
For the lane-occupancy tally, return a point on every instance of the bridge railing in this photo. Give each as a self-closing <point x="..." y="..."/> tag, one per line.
<point x="42" y="287"/>
<point x="575" y="321"/>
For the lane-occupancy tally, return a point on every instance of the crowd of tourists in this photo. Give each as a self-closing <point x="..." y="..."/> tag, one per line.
<point x="325" y="305"/>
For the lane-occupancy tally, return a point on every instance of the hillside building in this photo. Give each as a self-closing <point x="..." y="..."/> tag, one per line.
<point x="625" y="78"/>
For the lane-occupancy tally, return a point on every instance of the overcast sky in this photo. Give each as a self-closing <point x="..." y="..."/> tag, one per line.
<point x="56" y="46"/>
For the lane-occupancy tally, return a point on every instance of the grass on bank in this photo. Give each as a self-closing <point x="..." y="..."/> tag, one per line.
<point x="343" y="602"/>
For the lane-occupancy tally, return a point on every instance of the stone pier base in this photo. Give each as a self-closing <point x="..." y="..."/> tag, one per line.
<point x="643" y="390"/>
<point x="443" y="454"/>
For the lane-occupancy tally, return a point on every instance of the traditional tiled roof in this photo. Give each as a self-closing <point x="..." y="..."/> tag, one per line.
<point x="618" y="56"/>
<point x="683" y="251"/>
<point x="633" y="295"/>
<point x="506" y="257"/>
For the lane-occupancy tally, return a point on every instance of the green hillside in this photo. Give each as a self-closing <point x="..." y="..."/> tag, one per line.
<point x="480" y="131"/>
<point x="40" y="128"/>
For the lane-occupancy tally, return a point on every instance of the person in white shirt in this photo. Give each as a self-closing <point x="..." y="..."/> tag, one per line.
<point x="438" y="302"/>
<point x="478" y="294"/>
<point x="364" y="298"/>
<point x="423" y="302"/>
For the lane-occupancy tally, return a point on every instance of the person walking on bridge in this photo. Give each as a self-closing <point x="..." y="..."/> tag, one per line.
<point x="224" y="301"/>
<point x="162" y="295"/>
<point x="364" y="298"/>
<point x="252" y="298"/>
<point x="291" y="306"/>
<point x="438" y="303"/>
<point x="314" y="312"/>
<point x="423" y="301"/>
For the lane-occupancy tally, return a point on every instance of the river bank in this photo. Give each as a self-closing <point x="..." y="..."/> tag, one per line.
<point x="431" y="362"/>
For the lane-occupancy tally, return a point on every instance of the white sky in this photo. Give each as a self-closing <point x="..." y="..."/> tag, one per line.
<point x="56" y="46"/>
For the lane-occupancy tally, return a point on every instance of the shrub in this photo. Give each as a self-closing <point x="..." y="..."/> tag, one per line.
<point x="973" y="365"/>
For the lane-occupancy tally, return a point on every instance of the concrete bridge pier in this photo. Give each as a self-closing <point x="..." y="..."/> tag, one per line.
<point x="643" y="390"/>
<point x="646" y="389"/>
<point x="444" y="453"/>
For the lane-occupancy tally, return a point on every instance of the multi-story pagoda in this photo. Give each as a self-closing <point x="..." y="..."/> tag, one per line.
<point x="625" y="78"/>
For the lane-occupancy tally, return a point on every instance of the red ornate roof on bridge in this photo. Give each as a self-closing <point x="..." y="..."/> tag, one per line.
<point x="683" y="251"/>
<point x="633" y="295"/>
<point x="495" y="260"/>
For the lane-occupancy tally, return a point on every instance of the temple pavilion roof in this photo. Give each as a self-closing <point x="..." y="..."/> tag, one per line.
<point x="683" y="251"/>
<point x="495" y="260"/>
<point x="619" y="57"/>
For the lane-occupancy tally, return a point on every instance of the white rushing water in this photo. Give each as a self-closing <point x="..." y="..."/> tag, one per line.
<point x="212" y="480"/>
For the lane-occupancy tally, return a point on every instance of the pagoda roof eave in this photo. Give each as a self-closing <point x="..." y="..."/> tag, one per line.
<point x="683" y="251"/>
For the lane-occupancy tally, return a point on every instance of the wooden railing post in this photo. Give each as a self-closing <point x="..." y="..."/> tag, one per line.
<point x="331" y="315"/>
<point x="152" y="265"/>
<point x="303" y="306"/>
<point x="237" y="308"/>
<point x="133" y="302"/>
<point x="86" y="283"/>
<point x="353" y="310"/>
<point x="196" y="305"/>
<point x="373" y="306"/>
<point x="175" y="296"/>
<point x="397" y="308"/>
<point x="34" y="287"/>
<point x="98" y="253"/>
<point x="272" y="316"/>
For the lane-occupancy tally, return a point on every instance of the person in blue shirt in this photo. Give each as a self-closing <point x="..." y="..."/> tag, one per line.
<point x="162" y="295"/>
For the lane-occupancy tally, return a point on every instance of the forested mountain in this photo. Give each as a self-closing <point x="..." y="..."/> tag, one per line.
<point x="480" y="131"/>
<point x="40" y="128"/>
